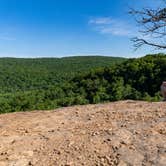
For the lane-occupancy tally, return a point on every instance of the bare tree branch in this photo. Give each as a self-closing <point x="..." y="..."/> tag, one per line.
<point x="139" y="42"/>
<point x="153" y="23"/>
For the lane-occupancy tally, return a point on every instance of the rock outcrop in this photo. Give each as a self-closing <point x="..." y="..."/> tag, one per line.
<point x="122" y="133"/>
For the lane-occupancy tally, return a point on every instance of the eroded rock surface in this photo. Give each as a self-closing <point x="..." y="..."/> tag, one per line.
<point x="122" y="133"/>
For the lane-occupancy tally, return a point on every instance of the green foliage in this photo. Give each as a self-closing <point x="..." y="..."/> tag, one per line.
<point x="31" y="74"/>
<point x="137" y="79"/>
<point x="41" y="84"/>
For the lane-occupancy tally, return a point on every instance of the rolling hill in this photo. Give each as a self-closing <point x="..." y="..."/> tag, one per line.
<point x="18" y="74"/>
<point x="44" y="84"/>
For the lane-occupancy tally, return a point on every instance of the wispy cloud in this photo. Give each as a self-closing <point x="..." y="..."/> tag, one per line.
<point x="116" y="27"/>
<point x="100" y="20"/>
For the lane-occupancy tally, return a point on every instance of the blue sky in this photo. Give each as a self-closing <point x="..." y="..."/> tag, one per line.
<point x="55" y="28"/>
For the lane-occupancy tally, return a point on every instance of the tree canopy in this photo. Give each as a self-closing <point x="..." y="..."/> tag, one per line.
<point x="137" y="79"/>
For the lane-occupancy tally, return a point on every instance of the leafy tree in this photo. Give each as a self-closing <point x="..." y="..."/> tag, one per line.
<point x="137" y="79"/>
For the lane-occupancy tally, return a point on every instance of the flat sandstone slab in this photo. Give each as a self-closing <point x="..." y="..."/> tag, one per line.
<point x="119" y="133"/>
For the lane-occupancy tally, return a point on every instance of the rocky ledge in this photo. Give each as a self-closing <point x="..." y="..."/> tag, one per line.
<point x="125" y="133"/>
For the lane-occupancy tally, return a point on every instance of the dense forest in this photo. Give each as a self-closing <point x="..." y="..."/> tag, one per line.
<point x="39" y="84"/>
<point x="28" y="74"/>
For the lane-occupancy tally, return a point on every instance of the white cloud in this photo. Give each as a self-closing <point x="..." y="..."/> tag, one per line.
<point x="100" y="20"/>
<point x="108" y="25"/>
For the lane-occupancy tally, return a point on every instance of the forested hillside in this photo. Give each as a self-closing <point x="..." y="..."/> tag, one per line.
<point x="28" y="74"/>
<point x="72" y="83"/>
